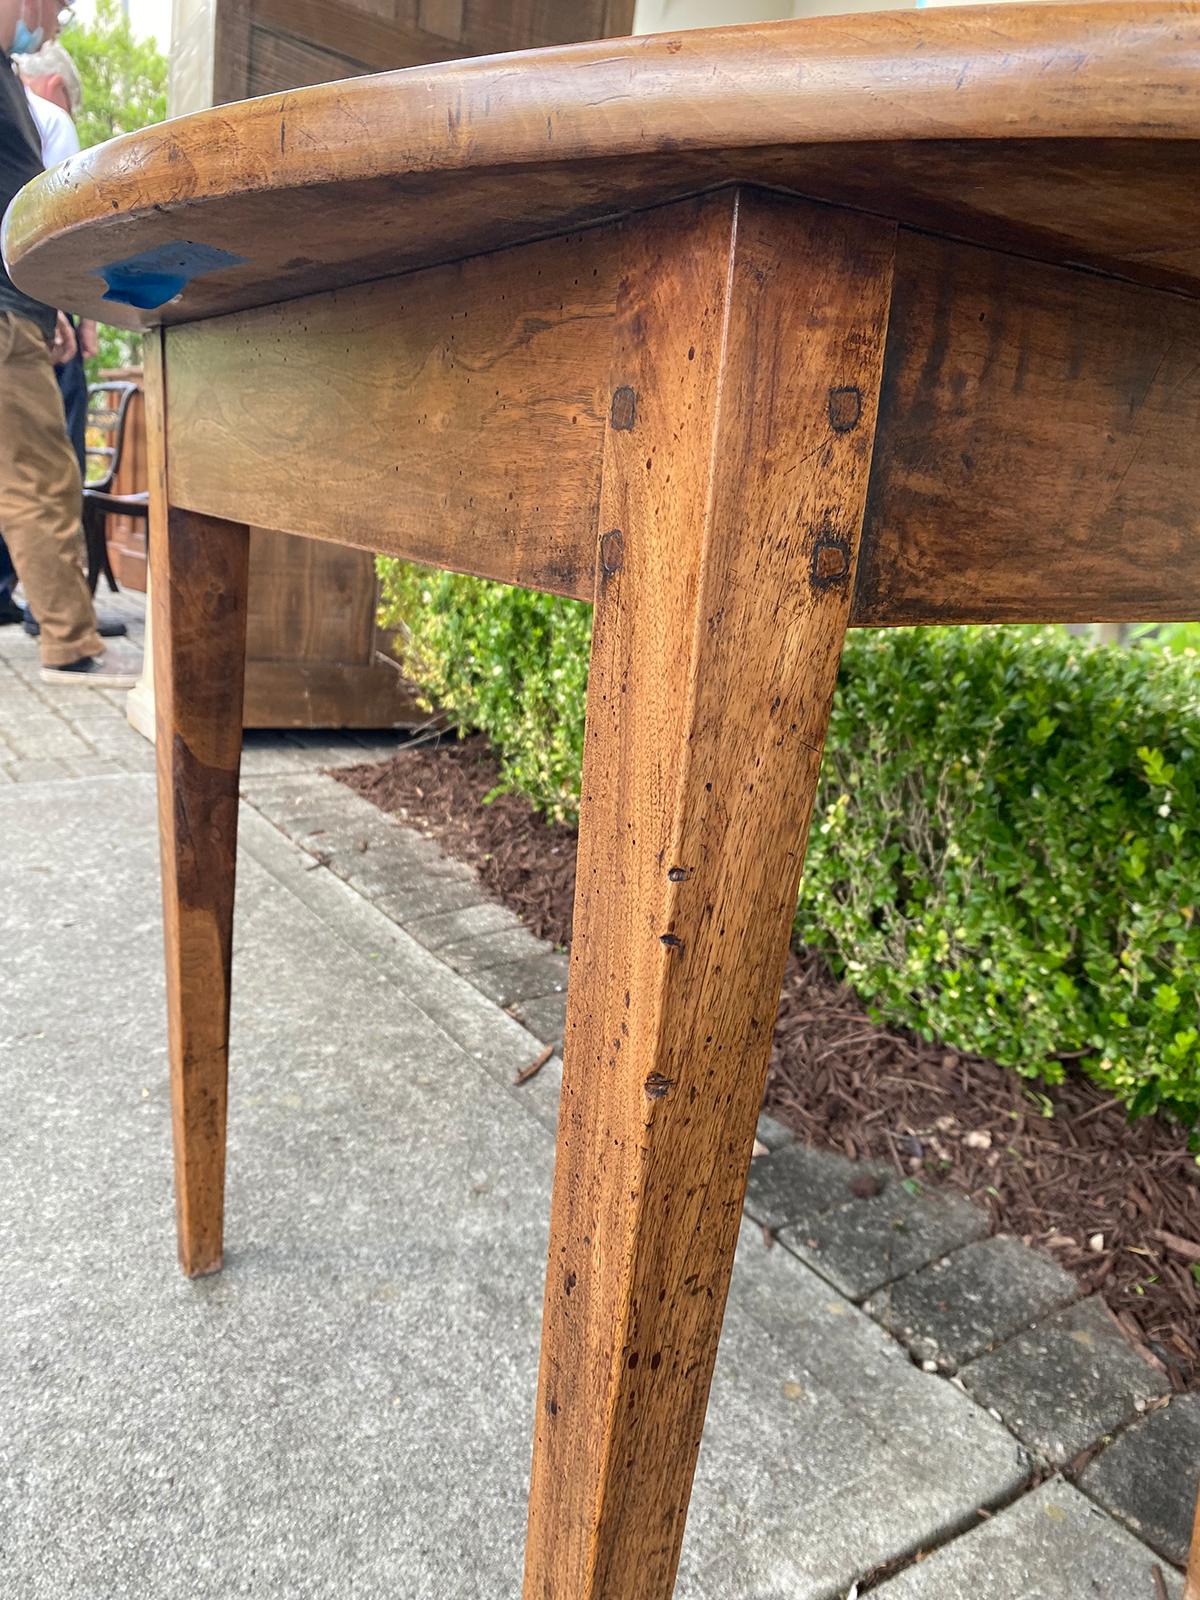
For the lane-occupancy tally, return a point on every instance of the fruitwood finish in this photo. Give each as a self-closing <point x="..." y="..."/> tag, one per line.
<point x="492" y="367"/>
<point x="497" y="362"/>
<point x="734" y="481"/>
<point x="199" y="568"/>
<point x="1073" y="135"/>
<point x="738" y="420"/>
<point x="1037" y="457"/>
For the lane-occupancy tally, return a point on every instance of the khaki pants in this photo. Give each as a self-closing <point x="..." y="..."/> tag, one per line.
<point x="40" y="495"/>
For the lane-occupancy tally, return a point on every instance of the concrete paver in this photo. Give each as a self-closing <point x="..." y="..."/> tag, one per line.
<point x="1066" y="1382"/>
<point x="1147" y="1476"/>
<point x="1052" y="1545"/>
<point x="799" y="1182"/>
<point x="478" y="952"/>
<point x="431" y="896"/>
<point x="956" y="1309"/>
<point x="449" y="927"/>
<point x="546" y="1016"/>
<point x="527" y="978"/>
<point x="866" y="1243"/>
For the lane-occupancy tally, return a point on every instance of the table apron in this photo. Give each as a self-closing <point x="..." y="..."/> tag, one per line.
<point x="1035" y="456"/>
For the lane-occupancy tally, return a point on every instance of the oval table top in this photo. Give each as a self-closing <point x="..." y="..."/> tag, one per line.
<point x="1065" y="132"/>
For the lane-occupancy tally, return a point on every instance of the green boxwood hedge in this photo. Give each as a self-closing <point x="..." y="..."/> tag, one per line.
<point x="1005" y="852"/>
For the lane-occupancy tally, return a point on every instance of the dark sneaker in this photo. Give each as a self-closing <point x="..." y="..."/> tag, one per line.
<point x="106" y="627"/>
<point x="112" y="670"/>
<point x="10" y="611"/>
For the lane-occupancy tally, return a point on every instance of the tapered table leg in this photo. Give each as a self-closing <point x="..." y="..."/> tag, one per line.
<point x="747" y="370"/>
<point x="199" y="577"/>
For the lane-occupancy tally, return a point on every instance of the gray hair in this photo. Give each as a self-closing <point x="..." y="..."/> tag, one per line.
<point x="49" y="61"/>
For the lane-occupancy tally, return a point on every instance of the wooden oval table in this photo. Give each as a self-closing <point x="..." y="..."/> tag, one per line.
<point x="746" y="335"/>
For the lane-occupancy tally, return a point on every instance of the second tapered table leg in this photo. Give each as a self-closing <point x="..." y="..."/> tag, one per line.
<point x="199" y="567"/>
<point x="748" y="362"/>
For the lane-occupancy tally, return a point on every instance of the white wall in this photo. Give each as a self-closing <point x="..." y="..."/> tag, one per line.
<point x="660" y="16"/>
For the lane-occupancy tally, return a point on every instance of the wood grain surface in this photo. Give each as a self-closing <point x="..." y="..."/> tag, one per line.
<point x="454" y="416"/>
<point x="1037" y="455"/>
<point x="746" y="371"/>
<point x="198" y="591"/>
<point x="1036" y="458"/>
<point x="1070" y="131"/>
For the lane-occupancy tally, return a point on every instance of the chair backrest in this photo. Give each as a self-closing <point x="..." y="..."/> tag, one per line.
<point x="106" y="421"/>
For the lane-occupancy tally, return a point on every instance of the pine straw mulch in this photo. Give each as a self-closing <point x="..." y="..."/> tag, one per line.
<point x="1116" y="1204"/>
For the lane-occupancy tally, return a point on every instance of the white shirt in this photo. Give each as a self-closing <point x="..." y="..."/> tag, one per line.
<point x="55" y="129"/>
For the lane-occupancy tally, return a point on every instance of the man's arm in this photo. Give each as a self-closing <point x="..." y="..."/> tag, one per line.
<point x="63" y="347"/>
<point x="56" y="131"/>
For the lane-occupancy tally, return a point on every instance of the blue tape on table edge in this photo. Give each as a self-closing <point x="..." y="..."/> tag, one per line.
<point x="155" y="276"/>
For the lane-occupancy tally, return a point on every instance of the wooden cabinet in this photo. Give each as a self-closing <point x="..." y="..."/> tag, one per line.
<point x="312" y="656"/>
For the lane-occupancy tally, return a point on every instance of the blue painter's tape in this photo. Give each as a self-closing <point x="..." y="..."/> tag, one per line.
<point x="156" y="276"/>
<point x="145" y="290"/>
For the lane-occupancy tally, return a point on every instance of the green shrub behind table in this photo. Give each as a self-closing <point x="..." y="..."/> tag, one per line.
<point x="1006" y="848"/>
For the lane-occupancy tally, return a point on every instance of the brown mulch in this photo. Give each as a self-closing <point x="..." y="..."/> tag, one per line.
<point x="1114" y="1203"/>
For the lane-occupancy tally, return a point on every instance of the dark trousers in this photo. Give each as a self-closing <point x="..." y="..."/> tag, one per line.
<point x="72" y="384"/>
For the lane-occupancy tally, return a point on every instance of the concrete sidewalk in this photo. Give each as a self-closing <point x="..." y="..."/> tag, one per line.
<point x="346" y="1410"/>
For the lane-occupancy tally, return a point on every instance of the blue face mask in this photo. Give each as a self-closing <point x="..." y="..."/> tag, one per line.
<point x="27" y="40"/>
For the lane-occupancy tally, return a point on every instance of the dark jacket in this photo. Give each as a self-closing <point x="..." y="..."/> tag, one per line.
<point x="20" y="160"/>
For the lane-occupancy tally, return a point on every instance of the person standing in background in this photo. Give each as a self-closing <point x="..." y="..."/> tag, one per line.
<point x="40" y="486"/>
<point x="52" y="77"/>
<point x="55" y="95"/>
